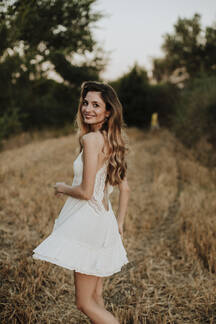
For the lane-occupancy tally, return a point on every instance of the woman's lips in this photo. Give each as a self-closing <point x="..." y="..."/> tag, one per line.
<point x="88" y="116"/>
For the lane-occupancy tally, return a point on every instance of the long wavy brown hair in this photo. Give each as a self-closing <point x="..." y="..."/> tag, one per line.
<point x="114" y="127"/>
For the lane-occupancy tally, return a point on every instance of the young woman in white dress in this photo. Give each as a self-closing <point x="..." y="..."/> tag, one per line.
<point x="100" y="124"/>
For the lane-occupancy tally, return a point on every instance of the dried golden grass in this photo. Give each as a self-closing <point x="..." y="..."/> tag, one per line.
<point x="169" y="235"/>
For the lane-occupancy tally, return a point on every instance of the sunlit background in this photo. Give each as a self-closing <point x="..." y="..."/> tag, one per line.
<point x="133" y="30"/>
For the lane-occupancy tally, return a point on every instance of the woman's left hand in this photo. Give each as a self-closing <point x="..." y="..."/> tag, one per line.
<point x="59" y="188"/>
<point x="120" y="228"/>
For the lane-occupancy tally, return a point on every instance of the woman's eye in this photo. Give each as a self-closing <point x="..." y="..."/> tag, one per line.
<point x="85" y="103"/>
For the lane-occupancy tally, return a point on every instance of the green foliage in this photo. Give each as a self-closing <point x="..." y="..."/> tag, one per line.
<point x="140" y="99"/>
<point x="195" y="112"/>
<point x="51" y="32"/>
<point x="47" y="103"/>
<point x="9" y="123"/>
<point x="55" y="25"/>
<point x="132" y="89"/>
<point x="190" y="54"/>
<point x="162" y="99"/>
<point x="71" y="73"/>
<point x="189" y="48"/>
<point x="37" y="37"/>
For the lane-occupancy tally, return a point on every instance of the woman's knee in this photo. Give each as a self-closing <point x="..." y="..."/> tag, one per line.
<point x="79" y="305"/>
<point x="83" y="305"/>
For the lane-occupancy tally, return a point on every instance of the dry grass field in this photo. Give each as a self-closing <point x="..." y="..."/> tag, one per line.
<point x="169" y="235"/>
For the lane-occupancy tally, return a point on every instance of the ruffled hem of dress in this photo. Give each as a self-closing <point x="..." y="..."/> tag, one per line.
<point x="78" y="256"/>
<point x="78" y="269"/>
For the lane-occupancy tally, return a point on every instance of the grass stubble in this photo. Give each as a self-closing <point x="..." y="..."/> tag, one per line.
<point x="169" y="235"/>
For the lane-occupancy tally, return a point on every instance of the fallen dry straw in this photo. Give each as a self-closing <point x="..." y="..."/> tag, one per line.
<point x="169" y="235"/>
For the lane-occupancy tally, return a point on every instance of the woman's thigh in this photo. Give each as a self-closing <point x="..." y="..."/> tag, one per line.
<point x="85" y="286"/>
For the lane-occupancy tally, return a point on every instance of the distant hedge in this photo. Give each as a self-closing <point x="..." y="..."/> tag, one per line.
<point x="195" y="111"/>
<point x="190" y="112"/>
<point x="36" y="105"/>
<point x="140" y="99"/>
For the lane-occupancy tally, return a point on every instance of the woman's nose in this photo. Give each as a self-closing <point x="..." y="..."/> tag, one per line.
<point x="88" y="107"/>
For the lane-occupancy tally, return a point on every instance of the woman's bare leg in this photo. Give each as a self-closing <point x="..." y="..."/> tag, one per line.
<point x="98" y="293"/>
<point x="85" y="286"/>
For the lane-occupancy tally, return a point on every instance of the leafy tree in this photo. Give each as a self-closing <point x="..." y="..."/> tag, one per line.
<point x="37" y="37"/>
<point x="132" y="91"/>
<point x="50" y="31"/>
<point x="190" y="50"/>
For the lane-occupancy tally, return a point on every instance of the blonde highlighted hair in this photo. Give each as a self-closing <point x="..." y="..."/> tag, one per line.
<point x="114" y="126"/>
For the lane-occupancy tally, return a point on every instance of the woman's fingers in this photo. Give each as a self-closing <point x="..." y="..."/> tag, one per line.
<point x="59" y="187"/>
<point x="58" y="194"/>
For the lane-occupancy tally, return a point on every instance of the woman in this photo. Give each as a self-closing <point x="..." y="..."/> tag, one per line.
<point x="87" y="237"/>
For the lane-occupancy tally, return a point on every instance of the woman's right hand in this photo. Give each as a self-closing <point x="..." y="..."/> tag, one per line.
<point x="57" y="188"/>
<point x="59" y="194"/>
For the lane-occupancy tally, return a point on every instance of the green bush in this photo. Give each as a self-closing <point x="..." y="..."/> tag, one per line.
<point x="46" y="103"/>
<point x="161" y="99"/>
<point x="195" y="112"/>
<point x="9" y="123"/>
<point x="140" y="99"/>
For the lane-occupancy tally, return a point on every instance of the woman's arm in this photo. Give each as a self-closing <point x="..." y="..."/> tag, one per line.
<point x="124" y="194"/>
<point x="91" y="149"/>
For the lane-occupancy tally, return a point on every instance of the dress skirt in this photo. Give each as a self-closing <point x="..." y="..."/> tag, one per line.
<point x="85" y="240"/>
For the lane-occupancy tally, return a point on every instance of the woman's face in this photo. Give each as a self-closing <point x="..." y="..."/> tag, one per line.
<point x="94" y="109"/>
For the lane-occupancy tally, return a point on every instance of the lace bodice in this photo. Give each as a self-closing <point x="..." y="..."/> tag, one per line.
<point x="101" y="192"/>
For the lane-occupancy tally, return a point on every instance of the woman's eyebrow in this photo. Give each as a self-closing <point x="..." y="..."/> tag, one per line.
<point x="94" y="101"/>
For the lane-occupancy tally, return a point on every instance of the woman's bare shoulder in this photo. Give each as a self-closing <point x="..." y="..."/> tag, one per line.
<point x="93" y="139"/>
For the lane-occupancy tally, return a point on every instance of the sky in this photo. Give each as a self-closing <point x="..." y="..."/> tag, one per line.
<point x="132" y="30"/>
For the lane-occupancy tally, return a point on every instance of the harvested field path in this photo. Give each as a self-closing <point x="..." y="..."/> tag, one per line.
<point x="169" y="235"/>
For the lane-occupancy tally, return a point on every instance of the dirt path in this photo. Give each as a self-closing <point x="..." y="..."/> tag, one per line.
<point x="163" y="281"/>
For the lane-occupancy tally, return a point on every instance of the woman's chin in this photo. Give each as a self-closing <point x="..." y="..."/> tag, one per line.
<point x="89" y="122"/>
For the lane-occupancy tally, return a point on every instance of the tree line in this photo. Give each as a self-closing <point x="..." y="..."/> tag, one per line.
<point x="38" y="38"/>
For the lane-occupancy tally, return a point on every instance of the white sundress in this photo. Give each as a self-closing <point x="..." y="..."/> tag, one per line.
<point x="85" y="236"/>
